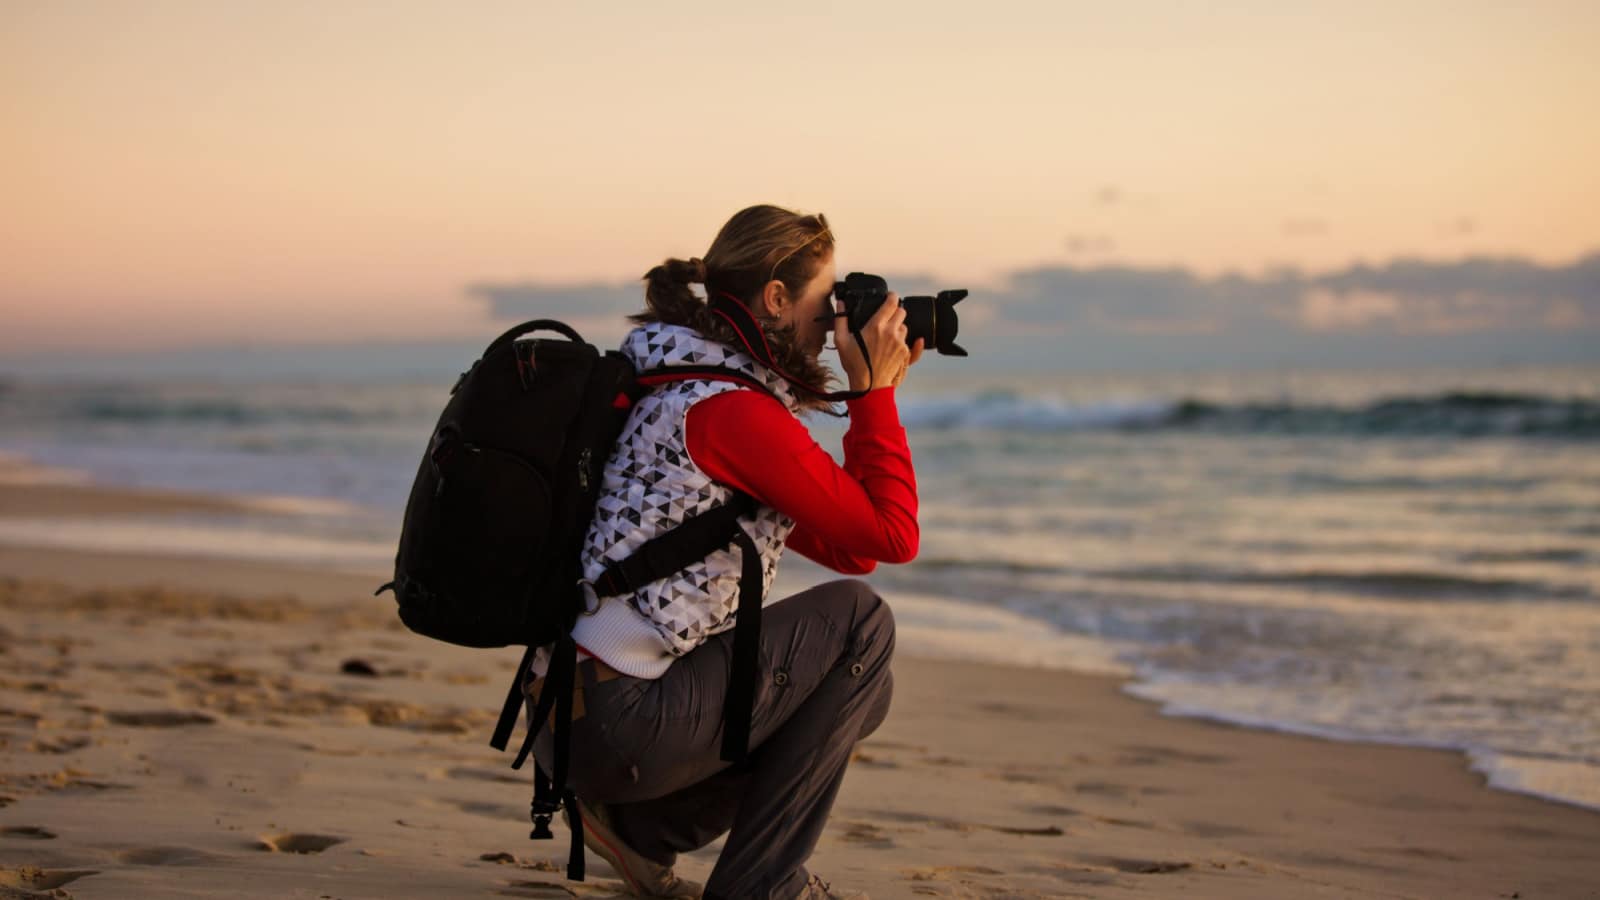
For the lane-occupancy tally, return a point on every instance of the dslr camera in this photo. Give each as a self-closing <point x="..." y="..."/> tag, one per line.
<point x="933" y="319"/>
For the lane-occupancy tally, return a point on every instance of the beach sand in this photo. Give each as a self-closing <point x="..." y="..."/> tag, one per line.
<point x="183" y="728"/>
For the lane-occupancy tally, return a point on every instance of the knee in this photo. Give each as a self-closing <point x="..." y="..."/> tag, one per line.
<point x="872" y="622"/>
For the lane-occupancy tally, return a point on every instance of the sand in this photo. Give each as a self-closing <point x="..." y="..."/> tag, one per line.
<point x="184" y="728"/>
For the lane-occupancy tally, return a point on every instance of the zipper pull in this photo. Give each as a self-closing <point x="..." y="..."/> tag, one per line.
<point x="584" y="459"/>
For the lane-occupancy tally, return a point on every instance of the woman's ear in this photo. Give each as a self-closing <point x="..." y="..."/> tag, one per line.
<point x="774" y="299"/>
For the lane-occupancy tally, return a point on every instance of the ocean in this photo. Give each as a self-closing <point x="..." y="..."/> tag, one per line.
<point x="1409" y="557"/>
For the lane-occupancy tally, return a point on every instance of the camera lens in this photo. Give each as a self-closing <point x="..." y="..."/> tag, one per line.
<point x="931" y="319"/>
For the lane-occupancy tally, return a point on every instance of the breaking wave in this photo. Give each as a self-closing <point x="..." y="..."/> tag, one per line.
<point x="1451" y="414"/>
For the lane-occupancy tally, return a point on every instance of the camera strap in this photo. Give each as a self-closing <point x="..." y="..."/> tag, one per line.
<point x="755" y="342"/>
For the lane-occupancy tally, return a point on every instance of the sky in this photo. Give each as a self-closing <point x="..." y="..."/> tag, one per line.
<point x="201" y="174"/>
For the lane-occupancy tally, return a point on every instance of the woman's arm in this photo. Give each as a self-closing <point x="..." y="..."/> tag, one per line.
<point x="847" y="518"/>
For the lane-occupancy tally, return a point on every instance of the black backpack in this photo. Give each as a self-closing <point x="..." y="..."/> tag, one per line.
<point x="489" y="547"/>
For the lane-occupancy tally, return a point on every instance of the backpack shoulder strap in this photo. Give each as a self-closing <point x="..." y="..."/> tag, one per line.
<point x="660" y="375"/>
<point x="668" y="553"/>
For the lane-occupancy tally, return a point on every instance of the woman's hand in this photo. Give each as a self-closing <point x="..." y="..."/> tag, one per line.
<point x="916" y="354"/>
<point x="885" y="337"/>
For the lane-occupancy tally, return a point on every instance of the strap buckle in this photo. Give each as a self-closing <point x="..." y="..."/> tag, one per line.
<point x="587" y="611"/>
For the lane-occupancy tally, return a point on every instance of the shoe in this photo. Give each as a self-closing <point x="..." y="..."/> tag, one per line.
<point x="643" y="877"/>
<point x="817" y="889"/>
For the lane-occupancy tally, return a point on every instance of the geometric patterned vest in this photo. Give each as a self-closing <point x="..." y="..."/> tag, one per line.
<point x="650" y="486"/>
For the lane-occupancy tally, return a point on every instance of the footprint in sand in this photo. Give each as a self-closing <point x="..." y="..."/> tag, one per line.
<point x="358" y="667"/>
<point x="862" y="758"/>
<point x="67" y="781"/>
<point x="534" y="889"/>
<point x="33" y="878"/>
<point x="19" y="715"/>
<point x="1077" y="874"/>
<point x="1043" y="831"/>
<point x="969" y="881"/>
<point x="166" y="856"/>
<point x="1123" y="823"/>
<point x="27" y="833"/>
<point x="867" y="834"/>
<point x="59" y="745"/>
<point x="1137" y="866"/>
<point x="1050" y="809"/>
<point x="292" y="842"/>
<point x="506" y="859"/>
<point x="945" y="873"/>
<point x="159" y="719"/>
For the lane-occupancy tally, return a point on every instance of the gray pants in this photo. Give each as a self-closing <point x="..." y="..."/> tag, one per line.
<point x="650" y="748"/>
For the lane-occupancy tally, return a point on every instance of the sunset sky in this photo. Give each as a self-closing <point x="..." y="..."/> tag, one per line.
<point x="175" y="173"/>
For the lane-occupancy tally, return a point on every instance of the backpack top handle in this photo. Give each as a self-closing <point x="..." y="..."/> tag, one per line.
<point x="517" y="331"/>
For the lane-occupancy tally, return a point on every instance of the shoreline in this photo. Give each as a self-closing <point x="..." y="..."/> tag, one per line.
<point x="30" y="491"/>
<point x="1037" y="782"/>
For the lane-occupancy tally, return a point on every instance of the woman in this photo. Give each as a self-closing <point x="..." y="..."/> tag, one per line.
<point x="655" y="665"/>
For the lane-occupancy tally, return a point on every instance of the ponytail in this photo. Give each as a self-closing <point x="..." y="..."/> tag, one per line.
<point x="667" y="296"/>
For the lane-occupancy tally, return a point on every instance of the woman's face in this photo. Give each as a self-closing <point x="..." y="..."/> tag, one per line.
<point x="811" y="305"/>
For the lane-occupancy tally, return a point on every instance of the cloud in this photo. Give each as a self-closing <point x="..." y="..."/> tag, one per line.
<point x="1409" y="296"/>
<point x="1322" y="310"/>
<point x="1110" y="298"/>
<point x="1505" y="277"/>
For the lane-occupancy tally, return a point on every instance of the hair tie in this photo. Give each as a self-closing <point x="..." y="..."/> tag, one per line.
<point x="698" y="276"/>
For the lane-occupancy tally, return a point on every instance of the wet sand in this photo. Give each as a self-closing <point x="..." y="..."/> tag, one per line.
<point x="187" y="728"/>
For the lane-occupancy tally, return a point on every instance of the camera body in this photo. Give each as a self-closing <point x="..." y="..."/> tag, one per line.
<point x="933" y="319"/>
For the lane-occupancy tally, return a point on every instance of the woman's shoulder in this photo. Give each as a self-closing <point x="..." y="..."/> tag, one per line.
<point x="752" y="420"/>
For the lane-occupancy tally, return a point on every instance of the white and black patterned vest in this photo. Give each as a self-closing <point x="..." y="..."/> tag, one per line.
<point x="650" y="485"/>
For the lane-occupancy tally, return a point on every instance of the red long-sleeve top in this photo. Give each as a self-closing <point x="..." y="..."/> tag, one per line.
<point x="847" y="518"/>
